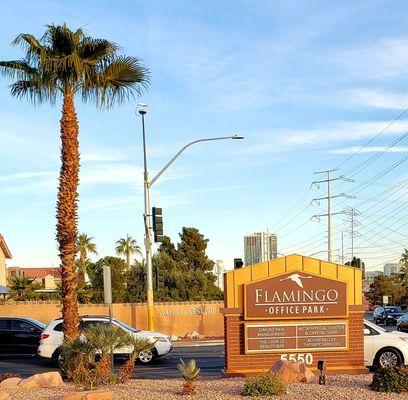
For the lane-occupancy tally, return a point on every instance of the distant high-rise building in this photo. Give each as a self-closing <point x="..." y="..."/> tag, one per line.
<point x="393" y="268"/>
<point x="260" y="247"/>
<point x="218" y="271"/>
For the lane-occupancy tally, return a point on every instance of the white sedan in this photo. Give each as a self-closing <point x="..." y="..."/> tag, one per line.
<point x="52" y="337"/>
<point x="382" y="348"/>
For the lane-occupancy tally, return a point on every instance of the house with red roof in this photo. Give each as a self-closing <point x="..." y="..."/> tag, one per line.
<point x="49" y="277"/>
<point x="4" y="255"/>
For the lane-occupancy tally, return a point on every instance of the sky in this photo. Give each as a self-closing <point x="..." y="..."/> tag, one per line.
<point x="312" y="85"/>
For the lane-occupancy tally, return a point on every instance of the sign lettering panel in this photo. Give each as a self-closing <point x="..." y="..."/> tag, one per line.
<point x="295" y="295"/>
<point x="316" y="336"/>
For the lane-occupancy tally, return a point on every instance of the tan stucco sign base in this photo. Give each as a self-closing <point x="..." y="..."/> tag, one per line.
<point x="295" y="308"/>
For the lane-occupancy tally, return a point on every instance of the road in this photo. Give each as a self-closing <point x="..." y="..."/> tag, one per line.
<point x="209" y="358"/>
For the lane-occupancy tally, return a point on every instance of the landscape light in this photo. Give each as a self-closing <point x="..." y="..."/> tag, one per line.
<point x="321" y="366"/>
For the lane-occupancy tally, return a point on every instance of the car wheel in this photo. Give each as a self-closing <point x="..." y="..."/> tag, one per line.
<point x="389" y="358"/>
<point x="147" y="357"/>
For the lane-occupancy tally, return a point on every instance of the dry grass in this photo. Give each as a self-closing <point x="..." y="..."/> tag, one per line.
<point x="344" y="387"/>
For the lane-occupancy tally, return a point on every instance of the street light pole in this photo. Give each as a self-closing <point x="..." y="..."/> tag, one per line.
<point x="147" y="185"/>
<point x="148" y="238"/>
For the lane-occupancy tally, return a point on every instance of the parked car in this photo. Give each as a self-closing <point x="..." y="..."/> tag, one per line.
<point x="387" y="315"/>
<point x="402" y="323"/>
<point x="53" y="336"/>
<point x="19" y="335"/>
<point x="382" y="348"/>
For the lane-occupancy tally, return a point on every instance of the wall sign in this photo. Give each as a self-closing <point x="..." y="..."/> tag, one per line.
<point x="314" y="336"/>
<point x="295" y="295"/>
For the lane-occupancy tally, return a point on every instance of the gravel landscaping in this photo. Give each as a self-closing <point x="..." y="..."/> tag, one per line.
<point x="345" y="387"/>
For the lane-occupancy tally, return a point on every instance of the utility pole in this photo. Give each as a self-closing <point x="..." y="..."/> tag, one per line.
<point x="329" y="213"/>
<point x="352" y="213"/>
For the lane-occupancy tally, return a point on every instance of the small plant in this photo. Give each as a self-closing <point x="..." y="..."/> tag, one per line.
<point x="86" y="359"/>
<point x="3" y="377"/>
<point x="392" y="379"/>
<point x="190" y="373"/>
<point x="263" y="385"/>
<point x="139" y="345"/>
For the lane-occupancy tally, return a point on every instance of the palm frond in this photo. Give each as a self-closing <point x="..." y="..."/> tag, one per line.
<point x="189" y="371"/>
<point x="104" y="337"/>
<point x="119" y="79"/>
<point x="139" y="345"/>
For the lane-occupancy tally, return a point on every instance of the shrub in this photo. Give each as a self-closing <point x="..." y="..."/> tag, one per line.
<point x="263" y="385"/>
<point x="3" y="377"/>
<point x="393" y="379"/>
<point x="190" y="373"/>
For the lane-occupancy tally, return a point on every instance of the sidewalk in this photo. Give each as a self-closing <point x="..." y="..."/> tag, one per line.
<point x="198" y="343"/>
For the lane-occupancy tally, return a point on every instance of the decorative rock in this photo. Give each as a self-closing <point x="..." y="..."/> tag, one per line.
<point x="173" y="338"/>
<point x="292" y="371"/>
<point x="10" y="383"/>
<point x="45" y="380"/>
<point x="4" y="395"/>
<point x="194" y="336"/>
<point x="88" y="395"/>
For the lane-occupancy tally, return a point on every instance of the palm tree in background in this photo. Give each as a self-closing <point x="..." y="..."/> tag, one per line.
<point x="63" y="64"/>
<point x="127" y="247"/>
<point x="85" y="245"/>
<point x="404" y="268"/>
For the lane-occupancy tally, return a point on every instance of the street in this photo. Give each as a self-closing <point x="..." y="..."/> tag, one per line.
<point x="210" y="358"/>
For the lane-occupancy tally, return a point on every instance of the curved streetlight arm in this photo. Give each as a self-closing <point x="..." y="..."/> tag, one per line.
<point x="171" y="161"/>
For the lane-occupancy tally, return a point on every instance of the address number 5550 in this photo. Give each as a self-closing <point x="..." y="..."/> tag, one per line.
<point x="306" y="358"/>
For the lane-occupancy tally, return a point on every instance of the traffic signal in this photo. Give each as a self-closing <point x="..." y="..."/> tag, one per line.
<point x="157" y="224"/>
<point x="159" y="278"/>
<point x="238" y="263"/>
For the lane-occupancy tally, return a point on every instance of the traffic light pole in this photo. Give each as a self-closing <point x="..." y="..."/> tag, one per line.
<point x="147" y="215"/>
<point x="148" y="237"/>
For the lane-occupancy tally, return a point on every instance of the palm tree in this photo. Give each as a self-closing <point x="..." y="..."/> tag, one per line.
<point x="62" y="64"/>
<point x="404" y="268"/>
<point x="127" y="247"/>
<point x="22" y="288"/>
<point x="85" y="245"/>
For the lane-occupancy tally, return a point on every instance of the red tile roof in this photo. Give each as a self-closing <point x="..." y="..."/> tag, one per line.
<point x="3" y="247"/>
<point x="33" y="273"/>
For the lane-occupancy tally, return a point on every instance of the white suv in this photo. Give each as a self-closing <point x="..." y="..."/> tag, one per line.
<point x="53" y="336"/>
<point x="382" y="348"/>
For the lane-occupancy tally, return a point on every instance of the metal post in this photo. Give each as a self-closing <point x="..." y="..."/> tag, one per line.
<point x="329" y="218"/>
<point x="352" y="233"/>
<point x="148" y="240"/>
<point x="107" y="293"/>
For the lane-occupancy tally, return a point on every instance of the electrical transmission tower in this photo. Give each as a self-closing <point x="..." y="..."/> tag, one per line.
<point x="329" y="199"/>
<point x="351" y="214"/>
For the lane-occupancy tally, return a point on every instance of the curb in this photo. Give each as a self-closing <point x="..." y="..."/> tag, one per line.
<point x="200" y="343"/>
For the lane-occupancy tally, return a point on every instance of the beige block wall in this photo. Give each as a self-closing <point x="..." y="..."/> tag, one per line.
<point x="3" y="281"/>
<point x="178" y="319"/>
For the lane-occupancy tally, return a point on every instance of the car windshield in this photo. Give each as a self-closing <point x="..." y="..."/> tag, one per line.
<point x="38" y="323"/>
<point x="393" y="310"/>
<point x="127" y="327"/>
<point x="375" y="327"/>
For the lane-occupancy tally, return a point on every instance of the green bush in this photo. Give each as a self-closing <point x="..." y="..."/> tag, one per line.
<point x="394" y="379"/>
<point x="263" y="385"/>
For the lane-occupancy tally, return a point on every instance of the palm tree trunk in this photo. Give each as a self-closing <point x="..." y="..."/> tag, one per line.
<point x="67" y="215"/>
<point x="128" y="260"/>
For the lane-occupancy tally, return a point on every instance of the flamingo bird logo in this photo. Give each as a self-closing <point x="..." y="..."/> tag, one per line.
<point x="296" y="278"/>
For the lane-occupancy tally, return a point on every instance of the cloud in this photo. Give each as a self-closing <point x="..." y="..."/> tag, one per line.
<point x="372" y="149"/>
<point x="24" y="175"/>
<point x="278" y="140"/>
<point x="386" y="58"/>
<point x="372" y="98"/>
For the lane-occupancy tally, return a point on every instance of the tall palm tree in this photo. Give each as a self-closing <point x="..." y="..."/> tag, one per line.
<point x="62" y="64"/>
<point x="127" y="247"/>
<point x="85" y="245"/>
